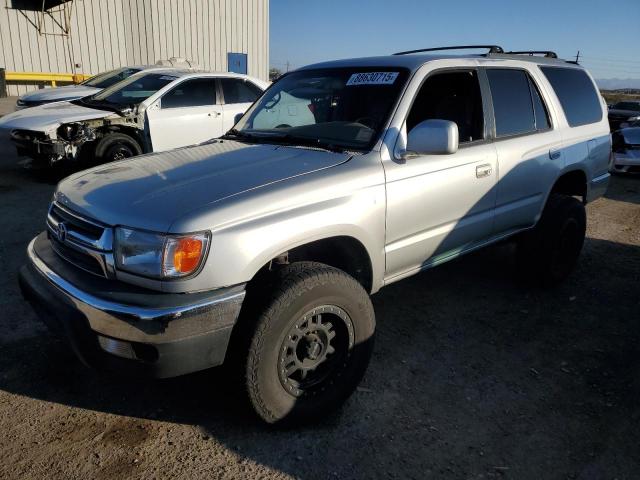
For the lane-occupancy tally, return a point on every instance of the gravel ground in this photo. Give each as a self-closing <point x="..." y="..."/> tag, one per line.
<point x="473" y="376"/>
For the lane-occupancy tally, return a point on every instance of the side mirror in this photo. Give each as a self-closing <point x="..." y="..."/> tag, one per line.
<point x="433" y="137"/>
<point x="237" y="118"/>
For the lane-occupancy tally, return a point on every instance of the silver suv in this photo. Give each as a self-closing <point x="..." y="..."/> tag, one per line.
<point x="260" y="249"/>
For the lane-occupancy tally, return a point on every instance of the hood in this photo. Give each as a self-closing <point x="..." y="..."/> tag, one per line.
<point x="48" y="117"/>
<point x="152" y="191"/>
<point x="69" y="92"/>
<point x="631" y="135"/>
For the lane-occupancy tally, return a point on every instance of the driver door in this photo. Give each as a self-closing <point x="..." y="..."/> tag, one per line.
<point x="441" y="205"/>
<point x="187" y="114"/>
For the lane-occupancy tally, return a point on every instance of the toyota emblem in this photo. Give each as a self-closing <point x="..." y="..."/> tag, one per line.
<point x="61" y="232"/>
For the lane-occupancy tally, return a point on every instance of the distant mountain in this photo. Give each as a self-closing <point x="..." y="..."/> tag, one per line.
<point x="617" y="83"/>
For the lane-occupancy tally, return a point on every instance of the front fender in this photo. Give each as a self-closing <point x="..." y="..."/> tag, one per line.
<point x="249" y="231"/>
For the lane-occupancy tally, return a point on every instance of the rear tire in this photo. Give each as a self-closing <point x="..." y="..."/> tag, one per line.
<point x="116" y="146"/>
<point x="548" y="253"/>
<point x="310" y="345"/>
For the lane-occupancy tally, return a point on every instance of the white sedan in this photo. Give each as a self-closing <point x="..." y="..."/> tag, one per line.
<point x="147" y="112"/>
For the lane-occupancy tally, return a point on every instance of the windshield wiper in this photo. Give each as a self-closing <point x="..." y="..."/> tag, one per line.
<point x="292" y="140"/>
<point x="91" y="102"/>
<point x="234" y="133"/>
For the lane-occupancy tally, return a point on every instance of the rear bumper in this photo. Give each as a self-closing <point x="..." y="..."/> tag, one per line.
<point x="142" y="332"/>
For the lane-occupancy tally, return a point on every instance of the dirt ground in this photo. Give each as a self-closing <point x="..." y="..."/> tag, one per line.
<point x="473" y="376"/>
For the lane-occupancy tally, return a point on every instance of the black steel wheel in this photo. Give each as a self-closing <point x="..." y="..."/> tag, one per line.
<point x="116" y="146"/>
<point x="314" y="350"/>
<point x="548" y="253"/>
<point x="308" y="345"/>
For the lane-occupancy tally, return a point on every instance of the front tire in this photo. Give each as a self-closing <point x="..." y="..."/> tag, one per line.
<point x="548" y="253"/>
<point x="116" y="146"/>
<point x="311" y="344"/>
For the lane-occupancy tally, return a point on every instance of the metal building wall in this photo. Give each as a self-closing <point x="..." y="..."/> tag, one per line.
<point x="107" y="34"/>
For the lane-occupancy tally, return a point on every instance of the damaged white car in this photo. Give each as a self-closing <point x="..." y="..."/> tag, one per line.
<point x="147" y="112"/>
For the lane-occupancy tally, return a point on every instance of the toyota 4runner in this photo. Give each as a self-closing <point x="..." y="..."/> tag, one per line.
<point x="260" y="249"/>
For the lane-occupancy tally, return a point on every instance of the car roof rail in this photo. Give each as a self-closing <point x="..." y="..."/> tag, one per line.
<point x="491" y="48"/>
<point x="546" y="53"/>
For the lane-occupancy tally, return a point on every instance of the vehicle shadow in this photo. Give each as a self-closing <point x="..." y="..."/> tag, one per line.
<point x="472" y="373"/>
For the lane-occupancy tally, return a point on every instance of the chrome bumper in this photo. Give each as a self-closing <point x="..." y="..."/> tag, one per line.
<point x="187" y="333"/>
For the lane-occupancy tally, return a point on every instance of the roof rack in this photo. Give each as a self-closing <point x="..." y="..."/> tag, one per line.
<point x="492" y="49"/>
<point x="546" y="53"/>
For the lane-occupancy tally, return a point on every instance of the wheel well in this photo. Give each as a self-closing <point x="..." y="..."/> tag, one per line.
<point x="572" y="183"/>
<point x="130" y="131"/>
<point x="343" y="252"/>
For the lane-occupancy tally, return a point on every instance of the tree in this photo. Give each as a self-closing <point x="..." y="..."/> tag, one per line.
<point x="274" y="73"/>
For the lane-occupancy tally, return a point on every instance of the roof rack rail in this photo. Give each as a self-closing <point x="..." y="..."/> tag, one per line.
<point x="546" y="53"/>
<point x="492" y="49"/>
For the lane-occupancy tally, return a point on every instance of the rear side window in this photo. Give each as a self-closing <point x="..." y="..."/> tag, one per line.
<point x="239" y="91"/>
<point x="512" y="105"/>
<point x="191" y="93"/>
<point x="577" y="95"/>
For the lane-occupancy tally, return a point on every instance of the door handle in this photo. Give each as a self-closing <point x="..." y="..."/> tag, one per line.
<point x="554" y="154"/>
<point x="483" y="170"/>
<point x="215" y="114"/>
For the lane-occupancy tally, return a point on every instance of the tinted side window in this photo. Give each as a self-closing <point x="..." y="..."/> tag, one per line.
<point x="191" y="93"/>
<point x="239" y="91"/>
<point x="539" y="108"/>
<point x="577" y="95"/>
<point x="453" y="96"/>
<point x="512" y="104"/>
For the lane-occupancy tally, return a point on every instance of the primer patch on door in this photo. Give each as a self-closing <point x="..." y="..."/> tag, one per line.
<point x="372" y="78"/>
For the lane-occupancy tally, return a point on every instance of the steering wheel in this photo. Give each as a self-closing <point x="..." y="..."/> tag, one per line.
<point x="274" y="101"/>
<point x="366" y="121"/>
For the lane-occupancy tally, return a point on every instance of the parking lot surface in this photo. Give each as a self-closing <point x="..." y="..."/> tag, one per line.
<point x="474" y="375"/>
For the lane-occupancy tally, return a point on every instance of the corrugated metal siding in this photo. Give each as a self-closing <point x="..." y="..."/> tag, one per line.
<point x="107" y="34"/>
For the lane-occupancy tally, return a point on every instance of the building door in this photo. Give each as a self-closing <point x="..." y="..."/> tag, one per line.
<point x="237" y="62"/>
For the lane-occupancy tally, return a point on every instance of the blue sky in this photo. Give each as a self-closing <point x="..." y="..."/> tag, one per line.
<point x="605" y="32"/>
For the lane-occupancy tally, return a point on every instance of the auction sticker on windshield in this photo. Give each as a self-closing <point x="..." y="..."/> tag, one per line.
<point x="373" y="78"/>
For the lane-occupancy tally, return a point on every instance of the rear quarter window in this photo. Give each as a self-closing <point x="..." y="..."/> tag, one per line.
<point x="577" y="94"/>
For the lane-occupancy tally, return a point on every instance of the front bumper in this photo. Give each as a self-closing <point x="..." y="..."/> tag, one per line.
<point x="37" y="146"/>
<point x="126" y="328"/>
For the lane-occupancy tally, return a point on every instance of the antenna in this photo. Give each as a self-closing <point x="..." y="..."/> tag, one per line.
<point x="577" y="56"/>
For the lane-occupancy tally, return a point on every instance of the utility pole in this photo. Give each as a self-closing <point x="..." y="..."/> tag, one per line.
<point x="577" y="56"/>
<point x="287" y="65"/>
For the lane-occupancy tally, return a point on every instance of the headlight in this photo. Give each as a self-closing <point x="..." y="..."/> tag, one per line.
<point x="69" y="131"/>
<point x="159" y="256"/>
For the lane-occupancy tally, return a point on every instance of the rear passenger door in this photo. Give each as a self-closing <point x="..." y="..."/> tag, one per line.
<point x="187" y="114"/>
<point x="528" y="148"/>
<point x="237" y="96"/>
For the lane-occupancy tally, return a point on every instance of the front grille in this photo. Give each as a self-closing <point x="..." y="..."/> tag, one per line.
<point x="80" y="241"/>
<point x="88" y="229"/>
<point x="79" y="259"/>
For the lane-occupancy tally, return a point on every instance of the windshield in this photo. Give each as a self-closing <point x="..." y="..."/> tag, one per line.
<point x="343" y="108"/>
<point x="627" y="106"/>
<point x="133" y="90"/>
<point x="104" y="80"/>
